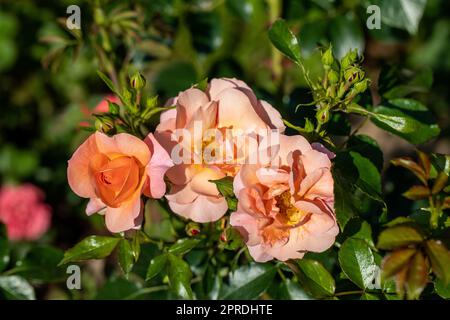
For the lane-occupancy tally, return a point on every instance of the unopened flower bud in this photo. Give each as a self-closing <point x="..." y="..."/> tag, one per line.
<point x="333" y="77"/>
<point x="353" y="74"/>
<point x="327" y="57"/>
<point x="323" y="115"/>
<point x="192" y="229"/>
<point x="137" y="81"/>
<point x="349" y="59"/>
<point x="361" y="86"/>
<point x="104" y="124"/>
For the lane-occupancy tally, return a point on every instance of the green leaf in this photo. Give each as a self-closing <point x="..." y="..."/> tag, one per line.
<point x="157" y="224"/>
<point x="40" y="263"/>
<point x="397" y="83"/>
<point x="92" y="247"/>
<point x="440" y="259"/>
<point x="289" y="290"/>
<point x="369" y="296"/>
<point x="4" y="248"/>
<point x="183" y="246"/>
<point x="117" y="289"/>
<point x="180" y="276"/>
<point x="225" y="187"/>
<point x="442" y="289"/>
<point x="248" y="282"/>
<point x="359" y="229"/>
<point x="403" y="14"/>
<point x="16" y="288"/>
<point x="406" y="118"/>
<point x="156" y="266"/>
<point x="315" y="278"/>
<point x="126" y="256"/>
<point x="368" y="148"/>
<point x="399" y="236"/>
<point x="357" y="262"/>
<point x="284" y="40"/>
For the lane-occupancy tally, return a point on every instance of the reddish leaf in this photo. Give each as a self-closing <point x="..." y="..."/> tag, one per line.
<point x="440" y="183"/>
<point x="412" y="166"/>
<point x="417" y="193"/>
<point x="439" y="256"/>
<point x="417" y="276"/>
<point x="396" y="261"/>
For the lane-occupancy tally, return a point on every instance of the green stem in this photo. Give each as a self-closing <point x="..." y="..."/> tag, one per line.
<point x="347" y="293"/>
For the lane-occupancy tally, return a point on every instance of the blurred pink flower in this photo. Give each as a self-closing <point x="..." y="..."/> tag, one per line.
<point x="23" y="212"/>
<point x="101" y="107"/>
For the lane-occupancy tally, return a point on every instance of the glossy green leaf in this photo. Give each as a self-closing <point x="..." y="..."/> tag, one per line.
<point x="315" y="278"/>
<point x="284" y="40"/>
<point x="156" y="265"/>
<point x="180" y="276"/>
<point x="225" y="187"/>
<point x="399" y="236"/>
<point x="92" y="247"/>
<point x="406" y="118"/>
<point x="439" y="256"/>
<point x="357" y="262"/>
<point x="183" y="246"/>
<point x="16" y="288"/>
<point x="248" y="282"/>
<point x="126" y="256"/>
<point x="359" y="229"/>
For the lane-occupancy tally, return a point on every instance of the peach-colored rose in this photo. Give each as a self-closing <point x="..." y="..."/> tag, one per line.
<point x="113" y="171"/>
<point x="23" y="212"/>
<point x="226" y="104"/>
<point x="286" y="209"/>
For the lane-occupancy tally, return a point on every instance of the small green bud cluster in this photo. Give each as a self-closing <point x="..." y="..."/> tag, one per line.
<point x="343" y="80"/>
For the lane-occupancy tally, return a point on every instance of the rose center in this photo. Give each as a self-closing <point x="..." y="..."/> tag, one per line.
<point x="117" y="179"/>
<point x="288" y="213"/>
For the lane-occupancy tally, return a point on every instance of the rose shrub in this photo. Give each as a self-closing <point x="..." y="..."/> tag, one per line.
<point x="231" y="150"/>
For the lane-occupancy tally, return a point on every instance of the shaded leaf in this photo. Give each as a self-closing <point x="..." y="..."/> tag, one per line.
<point x="289" y="290"/>
<point x="4" y="248"/>
<point x="248" y="282"/>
